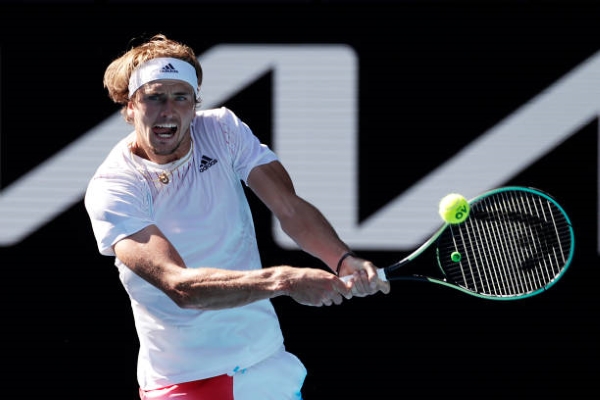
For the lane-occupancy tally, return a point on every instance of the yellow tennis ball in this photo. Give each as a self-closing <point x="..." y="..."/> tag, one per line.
<point x="454" y="208"/>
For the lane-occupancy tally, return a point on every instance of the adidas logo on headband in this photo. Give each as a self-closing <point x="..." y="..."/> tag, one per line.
<point x="168" y="68"/>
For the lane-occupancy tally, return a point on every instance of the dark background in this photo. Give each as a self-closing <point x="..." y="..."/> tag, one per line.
<point x="449" y="69"/>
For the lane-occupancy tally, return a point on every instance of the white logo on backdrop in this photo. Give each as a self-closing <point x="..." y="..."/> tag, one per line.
<point x="315" y="132"/>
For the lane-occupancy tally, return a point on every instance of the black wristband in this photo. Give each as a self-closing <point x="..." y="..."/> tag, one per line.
<point x="339" y="265"/>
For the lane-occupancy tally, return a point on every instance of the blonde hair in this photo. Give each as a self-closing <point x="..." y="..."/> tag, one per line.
<point x="118" y="72"/>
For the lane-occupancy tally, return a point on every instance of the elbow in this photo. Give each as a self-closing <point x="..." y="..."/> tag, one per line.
<point x="186" y="302"/>
<point x="182" y="299"/>
<point x="185" y="295"/>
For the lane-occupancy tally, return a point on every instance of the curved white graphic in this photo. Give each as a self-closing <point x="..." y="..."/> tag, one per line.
<point x="315" y="115"/>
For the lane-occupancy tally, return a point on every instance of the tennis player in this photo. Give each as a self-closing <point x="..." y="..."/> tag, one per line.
<point x="168" y="203"/>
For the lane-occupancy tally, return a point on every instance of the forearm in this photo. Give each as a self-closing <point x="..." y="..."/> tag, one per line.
<point x="152" y="257"/>
<point x="214" y="289"/>
<point x="309" y="228"/>
<point x="299" y="219"/>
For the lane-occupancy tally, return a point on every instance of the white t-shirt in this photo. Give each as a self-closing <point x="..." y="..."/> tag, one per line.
<point x="204" y="212"/>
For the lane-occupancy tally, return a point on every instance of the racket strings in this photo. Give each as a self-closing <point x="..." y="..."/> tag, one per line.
<point x="512" y="243"/>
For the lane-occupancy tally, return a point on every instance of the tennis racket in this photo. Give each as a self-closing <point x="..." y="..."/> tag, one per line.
<point x="516" y="242"/>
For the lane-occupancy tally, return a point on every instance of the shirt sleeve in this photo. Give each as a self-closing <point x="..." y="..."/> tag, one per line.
<point x="118" y="206"/>
<point x="245" y="148"/>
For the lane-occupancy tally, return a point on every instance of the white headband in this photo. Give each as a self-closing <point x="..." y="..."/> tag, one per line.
<point x="163" y="68"/>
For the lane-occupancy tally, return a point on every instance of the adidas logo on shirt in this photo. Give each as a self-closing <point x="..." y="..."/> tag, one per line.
<point x="206" y="163"/>
<point x="168" y="68"/>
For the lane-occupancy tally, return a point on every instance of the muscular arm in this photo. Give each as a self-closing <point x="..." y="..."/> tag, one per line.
<point x="307" y="226"/>
<point x="151" y="256"/>
<point x="299" y="219"/>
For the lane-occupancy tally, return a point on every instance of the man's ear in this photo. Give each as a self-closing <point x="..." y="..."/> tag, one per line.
<point x="128" y="112"/>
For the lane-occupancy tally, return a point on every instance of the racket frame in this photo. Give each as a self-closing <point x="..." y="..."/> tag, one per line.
<point x="387" y="272"/>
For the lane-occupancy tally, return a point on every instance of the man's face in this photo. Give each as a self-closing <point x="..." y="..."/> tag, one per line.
<point x="162" y="112"/>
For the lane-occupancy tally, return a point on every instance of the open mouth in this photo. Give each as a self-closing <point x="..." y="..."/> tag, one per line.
<point x="164" y="130"/>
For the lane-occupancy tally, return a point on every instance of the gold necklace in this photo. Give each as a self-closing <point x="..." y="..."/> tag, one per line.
<point x="164" y="177"/>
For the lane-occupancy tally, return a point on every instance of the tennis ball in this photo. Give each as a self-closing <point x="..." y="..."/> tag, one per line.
<point x="454" y="208"/>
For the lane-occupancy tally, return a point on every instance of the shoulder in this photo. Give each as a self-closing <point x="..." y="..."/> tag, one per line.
<point x="220" y="124"/>
<point x="117" y="166"/>
<point x="222" y="116"/>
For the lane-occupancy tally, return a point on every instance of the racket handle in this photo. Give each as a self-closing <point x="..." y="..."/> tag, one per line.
<point x="380" y="274"/>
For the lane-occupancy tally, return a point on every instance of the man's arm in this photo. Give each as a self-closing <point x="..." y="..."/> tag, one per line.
<point x="150" y="255"/>
<point x="309" y="228"/>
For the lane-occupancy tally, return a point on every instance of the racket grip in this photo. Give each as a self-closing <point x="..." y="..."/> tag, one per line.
<point x="380" y="274"/>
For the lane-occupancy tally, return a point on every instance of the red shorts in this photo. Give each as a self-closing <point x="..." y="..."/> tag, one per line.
<point x="279" y="377"/>
<point x="220" y="387"/>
